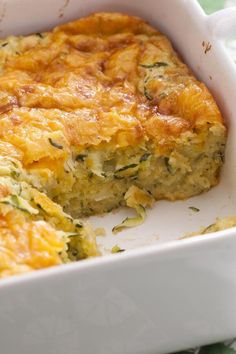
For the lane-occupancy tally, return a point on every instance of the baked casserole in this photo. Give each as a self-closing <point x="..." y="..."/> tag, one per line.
<point x="99" y="113"/>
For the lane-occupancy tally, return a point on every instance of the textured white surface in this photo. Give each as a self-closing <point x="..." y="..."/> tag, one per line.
<point x="231" y="43"/>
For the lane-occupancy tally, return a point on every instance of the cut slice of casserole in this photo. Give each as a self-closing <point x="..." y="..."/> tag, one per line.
<point x="89" y="111"/>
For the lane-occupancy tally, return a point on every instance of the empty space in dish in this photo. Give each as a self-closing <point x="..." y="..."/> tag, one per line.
<point x="167" y="221"/>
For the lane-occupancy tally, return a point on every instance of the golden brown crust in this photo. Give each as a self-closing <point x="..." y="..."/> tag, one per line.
<point x="26" y="245"/>
<point x="106" y="24"/>
<point x="89" y="82"/>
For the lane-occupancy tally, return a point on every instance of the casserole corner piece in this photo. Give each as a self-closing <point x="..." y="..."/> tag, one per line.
<point x="96" y="114"/>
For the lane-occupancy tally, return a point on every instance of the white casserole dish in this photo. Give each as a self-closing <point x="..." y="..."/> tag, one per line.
<point x="159" y="298"/>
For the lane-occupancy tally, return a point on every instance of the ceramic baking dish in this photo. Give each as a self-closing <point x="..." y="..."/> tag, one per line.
<point x="163" y="294"/>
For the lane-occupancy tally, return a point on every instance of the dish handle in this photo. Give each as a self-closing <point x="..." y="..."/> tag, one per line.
<point x="222" y="24"/>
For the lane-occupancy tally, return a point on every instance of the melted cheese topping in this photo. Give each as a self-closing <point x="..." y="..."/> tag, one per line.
<point x="107" y="78"/>
<point x="27" y="245"/>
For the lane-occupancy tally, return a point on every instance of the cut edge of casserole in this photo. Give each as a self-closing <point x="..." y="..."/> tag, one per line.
<point x="97" y="114"/>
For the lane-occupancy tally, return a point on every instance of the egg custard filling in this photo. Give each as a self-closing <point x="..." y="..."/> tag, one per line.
<point x="96" y="114"/>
